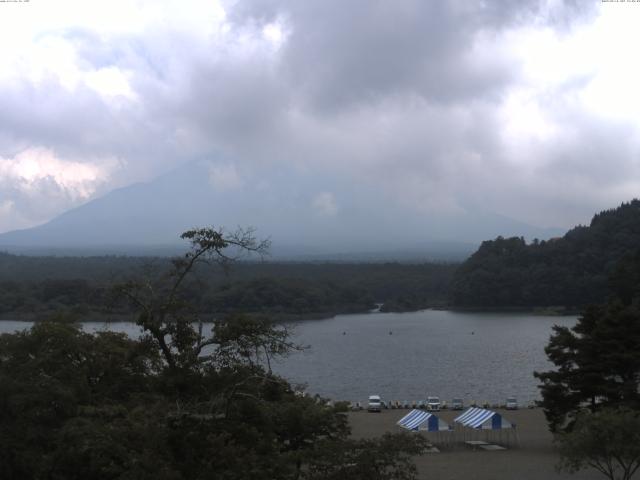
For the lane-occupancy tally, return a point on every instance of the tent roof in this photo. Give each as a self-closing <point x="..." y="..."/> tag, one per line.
<point x="421" y="420"/>
<point x="481" y="418"/>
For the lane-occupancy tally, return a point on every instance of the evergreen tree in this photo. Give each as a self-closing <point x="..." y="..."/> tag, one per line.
<point x="598" y="360"/>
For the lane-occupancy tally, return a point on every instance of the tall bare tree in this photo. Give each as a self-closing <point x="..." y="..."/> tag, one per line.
<point x="165" y="314"/>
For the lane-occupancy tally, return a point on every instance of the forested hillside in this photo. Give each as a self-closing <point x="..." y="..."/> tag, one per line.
<point x="36" y="286"/>
<point x="571" y="271"/>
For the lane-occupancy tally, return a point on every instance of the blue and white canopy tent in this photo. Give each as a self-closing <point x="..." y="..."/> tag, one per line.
<point x="421" y="421"/>
<point x="483" y="419"/>
<point x="488" y="421"/>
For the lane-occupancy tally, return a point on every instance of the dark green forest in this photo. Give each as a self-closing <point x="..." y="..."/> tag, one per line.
<point x="571" y="271"/>
<point x="35" y="286"/>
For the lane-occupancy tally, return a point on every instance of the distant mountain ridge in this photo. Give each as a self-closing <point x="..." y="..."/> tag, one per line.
<point x="293" y="209"/>
<point x="569" y="271"/>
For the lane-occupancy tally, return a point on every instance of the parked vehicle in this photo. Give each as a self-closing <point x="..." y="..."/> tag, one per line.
<point x="512" y="403"/>
<point x="375" y="403"/>
<point x="457" y="404"/>
<point x="433" y="404"/>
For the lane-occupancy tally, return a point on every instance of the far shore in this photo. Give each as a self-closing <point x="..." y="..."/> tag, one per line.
<point x="553" y="311"/>
<point x="102" y="317"/>
<point x="131" y="317"/>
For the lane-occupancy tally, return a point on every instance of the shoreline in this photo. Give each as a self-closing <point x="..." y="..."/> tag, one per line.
<point x="292" y="317"/>
<point x="534" y="458"/>
<point x="555" y="311"/>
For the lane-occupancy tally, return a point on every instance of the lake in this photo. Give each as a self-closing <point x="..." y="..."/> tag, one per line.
<point x="407" y="356"/>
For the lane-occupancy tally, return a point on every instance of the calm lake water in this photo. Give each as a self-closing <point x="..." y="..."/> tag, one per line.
<point x="407" y="356"/>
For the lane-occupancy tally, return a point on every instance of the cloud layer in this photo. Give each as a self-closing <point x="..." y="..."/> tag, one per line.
<point x="527" y="109"/>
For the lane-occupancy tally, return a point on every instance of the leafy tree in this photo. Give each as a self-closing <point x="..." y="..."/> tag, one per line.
<point x="177" y="403"/>
<point x="53" y="376"/>
<point x="608" y="440"/>
<point x="385" y="458"/>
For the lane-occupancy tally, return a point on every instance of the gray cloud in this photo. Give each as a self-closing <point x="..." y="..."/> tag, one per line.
<point x="342" y="54"/>
<point x="404" y="99"/>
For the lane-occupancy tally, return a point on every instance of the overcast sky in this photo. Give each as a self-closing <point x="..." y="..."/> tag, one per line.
<point x="529" y="109"/>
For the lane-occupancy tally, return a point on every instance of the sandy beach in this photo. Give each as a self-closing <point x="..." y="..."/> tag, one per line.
<point x="533" y="459"/>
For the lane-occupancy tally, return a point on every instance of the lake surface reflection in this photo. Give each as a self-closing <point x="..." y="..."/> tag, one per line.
<point x="407" y="356"/>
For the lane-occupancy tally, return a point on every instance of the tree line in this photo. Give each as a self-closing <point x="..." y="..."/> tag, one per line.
<point x="43" y="286"/>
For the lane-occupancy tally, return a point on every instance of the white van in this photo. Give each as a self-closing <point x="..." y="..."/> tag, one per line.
<point x="457" y="404"/>
<point x="375" y="403"/>
<point x="433" y="404"/>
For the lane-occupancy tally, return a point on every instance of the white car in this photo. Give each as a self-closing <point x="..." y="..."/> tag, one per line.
<point x="512" y="403"/>
<point x="375" y="403"/>
<point x="457" y="404"/>
<point x="433" y="404"/>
